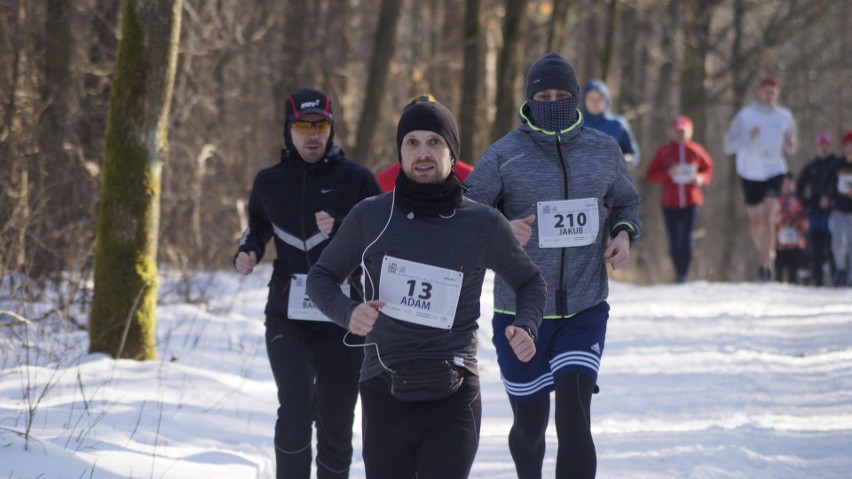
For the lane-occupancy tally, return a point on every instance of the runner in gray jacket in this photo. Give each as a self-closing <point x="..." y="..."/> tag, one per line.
<point x="425" y="250"/>
<point x="561" y="184"/>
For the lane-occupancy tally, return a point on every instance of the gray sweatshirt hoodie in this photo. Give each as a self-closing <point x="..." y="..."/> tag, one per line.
<point x="473" y="239"/>
<point x="529" y="165"/>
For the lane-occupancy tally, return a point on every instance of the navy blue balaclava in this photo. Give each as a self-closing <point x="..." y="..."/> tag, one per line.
<point x="553" y="72"/>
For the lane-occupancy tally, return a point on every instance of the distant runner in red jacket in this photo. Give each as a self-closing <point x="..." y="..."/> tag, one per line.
<point x="682" y="166"/>
<point x="387" y="177"/>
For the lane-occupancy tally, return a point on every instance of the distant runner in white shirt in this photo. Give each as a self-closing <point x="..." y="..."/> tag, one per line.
<point x="759" y="135"/>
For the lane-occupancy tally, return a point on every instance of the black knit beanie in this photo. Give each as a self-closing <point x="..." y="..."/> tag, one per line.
<point x="551" y="72"/>
<point x="429" y="116"/>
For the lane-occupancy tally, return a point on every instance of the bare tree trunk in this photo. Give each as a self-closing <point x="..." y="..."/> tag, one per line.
<point x="383" y="48"/>
<point x="508" y="66"/>
<point x="123" y="316"/>
<point x="54" y="176"/>
<point x="844" y="25"/>
<point x="693" y="70"/>
<point x="557" y="27"/>
<point x="338" y="48"/>
<point x="468" y="110"/>
<point x="729" y="246"/>
<point x="609" y="40"/>
<point x="296" y="43"/>
<point x="436" y="41"/>
<point x="450" y="49"/>
<point x="196" y="196"/>
<point x="15" y="204"/>
<point x="101" y="30"/>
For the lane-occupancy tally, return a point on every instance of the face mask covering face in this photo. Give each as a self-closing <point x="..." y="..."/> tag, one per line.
<point x="556" y="115"/>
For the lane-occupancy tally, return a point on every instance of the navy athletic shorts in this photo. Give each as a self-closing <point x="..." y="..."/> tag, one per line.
<point x="572" y="344"/>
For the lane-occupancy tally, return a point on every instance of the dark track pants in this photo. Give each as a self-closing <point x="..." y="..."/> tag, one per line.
<point x="820" y="240"/>
<point x="434" y="440"/>
<point x="787" y="265"/>
<point x="317" y="380"/>
<point x="679" y="224"/>
<point x="576" y="458"/>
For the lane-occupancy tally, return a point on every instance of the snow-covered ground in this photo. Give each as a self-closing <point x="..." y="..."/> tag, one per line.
<point x="701" y="380"/>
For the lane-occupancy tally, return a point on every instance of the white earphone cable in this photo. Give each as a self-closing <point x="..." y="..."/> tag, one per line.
<point x="372" y="286"/>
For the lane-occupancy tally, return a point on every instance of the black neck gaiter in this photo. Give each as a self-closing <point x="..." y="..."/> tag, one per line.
<point x="428" y="199"/>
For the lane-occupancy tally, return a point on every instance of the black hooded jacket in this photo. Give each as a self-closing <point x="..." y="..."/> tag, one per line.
<point x="813" y="184"/>
<point x="282" y="205"/>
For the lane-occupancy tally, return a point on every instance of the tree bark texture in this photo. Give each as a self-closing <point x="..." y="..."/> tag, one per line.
<point x="123" y="316"/>
<point x="383" y="49"/>
<point x="469" y="111"/>
<point x="508" y="68"/>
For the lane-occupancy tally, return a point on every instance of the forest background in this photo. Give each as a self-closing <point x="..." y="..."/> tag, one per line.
<point x="238" y="60"/>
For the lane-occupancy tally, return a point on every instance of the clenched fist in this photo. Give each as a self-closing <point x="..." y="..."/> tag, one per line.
<point x="245" y="262"/>
<point x="523" y="229"/>
<point x="364" y="316"/>
<point x="617" y="253"/>
<point x="325" y="222"/>
<point x="521" y="342"/>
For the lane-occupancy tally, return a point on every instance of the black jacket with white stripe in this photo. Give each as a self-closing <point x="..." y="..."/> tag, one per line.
<point x="283" y="201"/>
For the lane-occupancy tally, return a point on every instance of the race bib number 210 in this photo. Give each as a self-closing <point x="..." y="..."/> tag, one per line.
<point x="567" y="223"/>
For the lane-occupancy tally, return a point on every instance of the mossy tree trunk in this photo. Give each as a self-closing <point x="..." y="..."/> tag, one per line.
<point x="123" y="316"/>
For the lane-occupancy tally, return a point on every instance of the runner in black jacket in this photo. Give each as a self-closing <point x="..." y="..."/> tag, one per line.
<point x="300" y="203"/>
<point x="812" y="188"/>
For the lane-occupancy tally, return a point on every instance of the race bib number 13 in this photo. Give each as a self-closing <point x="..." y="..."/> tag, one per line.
<point x="567" y="223"/>
<point x="419" y="293"/>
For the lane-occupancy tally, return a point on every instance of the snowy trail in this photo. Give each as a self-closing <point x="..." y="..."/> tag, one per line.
<point x="701" y="380"/>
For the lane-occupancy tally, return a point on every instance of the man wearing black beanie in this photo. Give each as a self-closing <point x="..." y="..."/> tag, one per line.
<point x="561" y="184"/>
<point x="387" y="176"/>
<point x="552" y="93"/>
<point x="429" y="116"/>
<point x="299" y="203"/>
<point x="425" y="251"/>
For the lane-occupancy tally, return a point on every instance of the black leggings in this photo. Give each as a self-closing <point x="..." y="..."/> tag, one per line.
<point x="317" y="379"/>
<point x="434" y="439"/>
<point x="576" y="458"/>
